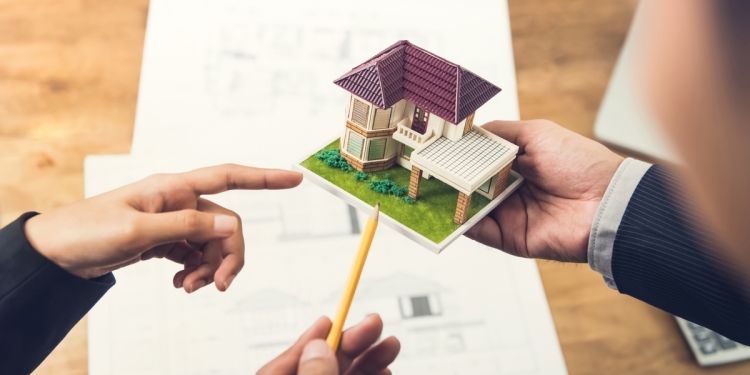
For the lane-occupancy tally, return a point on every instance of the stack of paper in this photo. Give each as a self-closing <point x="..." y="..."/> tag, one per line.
<point x="249" y="82"/>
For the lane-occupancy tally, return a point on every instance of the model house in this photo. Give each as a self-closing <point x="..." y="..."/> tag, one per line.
<point x="415" y="109"/>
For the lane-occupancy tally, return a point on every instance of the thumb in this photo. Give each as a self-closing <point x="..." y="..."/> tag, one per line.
<point x="192" y="225"/>
<point x="317" y="359"/>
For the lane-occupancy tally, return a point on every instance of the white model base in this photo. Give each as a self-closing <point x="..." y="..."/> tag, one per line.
<point x="393" y="223"/>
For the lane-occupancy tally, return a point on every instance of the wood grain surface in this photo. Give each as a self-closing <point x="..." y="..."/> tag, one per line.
<point x="69" y="73"/>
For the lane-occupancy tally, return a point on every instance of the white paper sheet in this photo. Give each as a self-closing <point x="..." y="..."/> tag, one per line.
<point x="256" y="77"/>
<point x="470" y="310"/>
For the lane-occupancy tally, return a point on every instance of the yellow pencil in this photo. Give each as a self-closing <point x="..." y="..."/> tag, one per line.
<point x="334" y="336"/>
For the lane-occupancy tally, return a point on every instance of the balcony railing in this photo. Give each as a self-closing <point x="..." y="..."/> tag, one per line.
<point x="409" y="137"/>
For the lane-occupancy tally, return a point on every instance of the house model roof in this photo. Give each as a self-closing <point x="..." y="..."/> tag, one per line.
<point x="405" y="71"/>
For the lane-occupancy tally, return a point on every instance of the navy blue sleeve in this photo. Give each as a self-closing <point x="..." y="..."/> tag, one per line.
<point x="39" y="301"/>
<point x="662" y="255"/>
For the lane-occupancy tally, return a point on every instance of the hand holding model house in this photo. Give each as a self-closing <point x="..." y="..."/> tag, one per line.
<point x="415" y="109"/>
<point x="550" y="215"/>
<point x="410" y="130"/>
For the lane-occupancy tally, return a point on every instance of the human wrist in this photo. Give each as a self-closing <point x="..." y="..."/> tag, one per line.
<point x="37" y="235"/>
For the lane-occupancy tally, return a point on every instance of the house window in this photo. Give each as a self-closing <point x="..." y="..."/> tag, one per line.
<point x="382" y="118"/>
<point x="485" y="187"/>
<point x="360" y="112"/>
<point x="354" y="146"/>
<point x="406" y="152"/>
<point x="377" y="149"/>
<point x="421" y="306"/>
<point x="418" y="306"/>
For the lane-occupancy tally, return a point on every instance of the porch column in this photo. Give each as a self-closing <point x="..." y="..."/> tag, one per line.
<point x="462" y="208"/>
<point x="502" y="180"/>
<point x="414" y="180"/>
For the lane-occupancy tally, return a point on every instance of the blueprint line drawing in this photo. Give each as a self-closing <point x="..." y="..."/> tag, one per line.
<point x="411" y="308"/>
<point x="468" y="309"/>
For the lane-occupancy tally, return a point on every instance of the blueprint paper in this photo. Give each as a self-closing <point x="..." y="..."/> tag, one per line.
<point x="470" y="310"/>
<point x="257" y="76"/>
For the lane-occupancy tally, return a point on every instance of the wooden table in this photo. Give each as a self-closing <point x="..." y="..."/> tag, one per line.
<point x="69" y="74"/>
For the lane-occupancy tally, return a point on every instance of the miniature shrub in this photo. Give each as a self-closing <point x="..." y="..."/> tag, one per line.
<point x="389" y="187"/>
<point x="409" y="200"/>
<point x="360" y="176"/>
<point x="383" y="186"/>
<point x="400" y="192"/>
<point x="333" y="159"/>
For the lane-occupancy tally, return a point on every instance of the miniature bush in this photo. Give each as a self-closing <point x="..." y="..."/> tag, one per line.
<point x="383" y="186"/>
<point x="409" y="200"/>
<point x="333" y="159"/>
<point x="400" y="192"/>
<point x="360" y="176"/>
<point x="389" y="187"/>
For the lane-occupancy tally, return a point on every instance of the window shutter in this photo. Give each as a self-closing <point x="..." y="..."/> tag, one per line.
<point x="354" y="146"/>
<point x="360" y="110"/>
<point x="382" y="118"/>
<point x="377" y="149"/>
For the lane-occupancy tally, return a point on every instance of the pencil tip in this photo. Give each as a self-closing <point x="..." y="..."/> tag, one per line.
<point x="375" y="211"/>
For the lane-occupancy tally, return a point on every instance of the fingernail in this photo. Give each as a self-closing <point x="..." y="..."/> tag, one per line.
<point x="178" y="284"/>
<point x="224" y="224"/>
<point x="315" y="349"/>
<point x="228" y="282"/>
<point x="197" y="285"/>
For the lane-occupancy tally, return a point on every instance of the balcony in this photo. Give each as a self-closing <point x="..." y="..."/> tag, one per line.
<point x="409" y="137"/>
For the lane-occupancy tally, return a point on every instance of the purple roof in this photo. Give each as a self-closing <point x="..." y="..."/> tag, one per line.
<point x="405" y="71"/>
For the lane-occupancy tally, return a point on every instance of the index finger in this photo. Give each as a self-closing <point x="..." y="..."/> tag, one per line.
<point x="216" y="179"/>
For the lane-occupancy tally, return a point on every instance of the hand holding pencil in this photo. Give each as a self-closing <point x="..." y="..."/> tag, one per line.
<point x="352" y="352"/>
<point x="351" y="284"/>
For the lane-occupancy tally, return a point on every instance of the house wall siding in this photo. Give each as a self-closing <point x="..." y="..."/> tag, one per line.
<point x="435" y="124"/>
<point x="454" y="132"/>
<point x="398" y="112"/>
<point x="392" y="148"/>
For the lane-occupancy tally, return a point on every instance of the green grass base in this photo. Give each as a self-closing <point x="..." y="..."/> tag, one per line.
<point x="432" y="214"/>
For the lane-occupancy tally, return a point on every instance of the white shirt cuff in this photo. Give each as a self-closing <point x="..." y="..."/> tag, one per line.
<point x="609" y="215"/>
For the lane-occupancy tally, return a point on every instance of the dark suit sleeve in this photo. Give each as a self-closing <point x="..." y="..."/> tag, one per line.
<point x="39" y="301"/>
<point x="662" y="255"/>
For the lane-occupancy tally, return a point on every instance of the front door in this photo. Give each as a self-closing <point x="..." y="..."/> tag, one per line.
<point x="419" y="124"/>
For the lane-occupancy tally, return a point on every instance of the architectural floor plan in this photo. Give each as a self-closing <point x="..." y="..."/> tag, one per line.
<point x="469" y="308"/>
